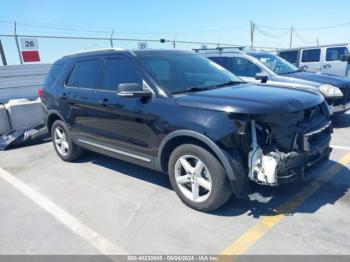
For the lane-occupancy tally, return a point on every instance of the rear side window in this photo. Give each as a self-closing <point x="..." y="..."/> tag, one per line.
<point x="311" y="55"/>
<point x="223" y="61"/>
<point x="84" y="74"/>
<point x="290" y="56"/>
<point x="217" y="59"/>
<point x="119" y="71"/>
<point x="243" y="67"/>
<point x="335" y="53"/>
<point x="53" y="74"/>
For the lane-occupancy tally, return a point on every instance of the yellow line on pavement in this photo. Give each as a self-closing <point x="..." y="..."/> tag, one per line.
<point x="245" y="241"/>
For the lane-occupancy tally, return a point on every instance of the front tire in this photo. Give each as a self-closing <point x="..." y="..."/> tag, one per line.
<point x="63" y="144"/>
<point x="198" y="178"/>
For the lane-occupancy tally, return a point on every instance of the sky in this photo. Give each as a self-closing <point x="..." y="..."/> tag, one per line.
<point x="221" y="22"/>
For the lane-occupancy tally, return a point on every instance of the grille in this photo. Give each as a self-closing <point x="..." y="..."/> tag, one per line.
<point x="315" y="138"/>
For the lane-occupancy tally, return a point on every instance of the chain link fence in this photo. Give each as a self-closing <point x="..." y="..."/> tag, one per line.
<point x="52" y="47"/>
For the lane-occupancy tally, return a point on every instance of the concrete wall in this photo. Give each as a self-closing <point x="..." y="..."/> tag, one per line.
<point x="21" y="81"/>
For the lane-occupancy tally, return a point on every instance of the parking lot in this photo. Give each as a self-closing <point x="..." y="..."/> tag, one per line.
<point x="100" y="205"/>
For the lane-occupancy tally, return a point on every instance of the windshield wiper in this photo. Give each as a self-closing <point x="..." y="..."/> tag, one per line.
<point x="229" y="83"/>
<point x="193" y="89"/>
<point x="202" y="88"/>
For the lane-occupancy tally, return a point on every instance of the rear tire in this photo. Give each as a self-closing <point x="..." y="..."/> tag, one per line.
<point x="63" y="144"/>
<point x="198" y="178"/>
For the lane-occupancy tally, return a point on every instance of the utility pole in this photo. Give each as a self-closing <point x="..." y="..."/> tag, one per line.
<point x="174" y="42"/>
<point x="17" y="44"/>
<point x="252" y="31"/>
<point x="318" y="42"/>
<point x="291" y="37"/>
<point x="2" y="54"/>
<point x="112" y="38"/>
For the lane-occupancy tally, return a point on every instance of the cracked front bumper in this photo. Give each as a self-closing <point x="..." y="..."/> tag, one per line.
<point x="294" y="166"/>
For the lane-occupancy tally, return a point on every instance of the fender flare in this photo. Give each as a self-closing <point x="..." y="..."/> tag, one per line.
<point x="53" y="112"/>
<point x="221" y="154"/>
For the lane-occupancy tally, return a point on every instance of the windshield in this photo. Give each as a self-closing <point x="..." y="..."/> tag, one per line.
<point x="187" y="72"/>
<point x="276" y="64"/>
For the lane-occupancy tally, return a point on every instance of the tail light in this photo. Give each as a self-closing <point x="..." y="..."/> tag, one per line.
<point x="40" y="92"/>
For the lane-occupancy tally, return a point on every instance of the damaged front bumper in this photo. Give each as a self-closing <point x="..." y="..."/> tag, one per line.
<point x="294" y="165"/>
<point x="273" y="167"/>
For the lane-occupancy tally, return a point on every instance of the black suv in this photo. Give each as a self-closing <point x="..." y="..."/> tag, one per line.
<point x="180" y="113"/>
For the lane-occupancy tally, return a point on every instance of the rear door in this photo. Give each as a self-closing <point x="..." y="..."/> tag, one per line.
<point x="333" y="64"/>
<point x="78" y="96"/>
<point x="311" y="60"/>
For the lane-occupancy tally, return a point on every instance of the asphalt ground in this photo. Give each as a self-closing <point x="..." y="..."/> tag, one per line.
<point x="101" y="205"/>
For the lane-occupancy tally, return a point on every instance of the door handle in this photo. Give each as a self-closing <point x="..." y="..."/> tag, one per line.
<point x="304" y="67"/>
<point x="327" y="66"/>
<point x="63" y="96"/>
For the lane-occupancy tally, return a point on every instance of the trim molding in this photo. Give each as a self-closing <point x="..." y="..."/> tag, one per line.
<point x="145" y="159"/>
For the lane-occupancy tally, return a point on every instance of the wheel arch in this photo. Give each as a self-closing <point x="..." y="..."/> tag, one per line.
<point x="51" y="118"/>
<point x="176" y="138"/>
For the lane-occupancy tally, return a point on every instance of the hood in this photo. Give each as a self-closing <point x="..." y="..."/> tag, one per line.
<point x="252" y="99"/>
<point x="338" y="81"/>
<point x="295" y="82"/>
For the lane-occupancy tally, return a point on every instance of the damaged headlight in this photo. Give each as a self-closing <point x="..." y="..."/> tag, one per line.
<point x="330" y="91"/>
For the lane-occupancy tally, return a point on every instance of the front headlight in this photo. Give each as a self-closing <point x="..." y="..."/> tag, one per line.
<point x="330" y="91"/>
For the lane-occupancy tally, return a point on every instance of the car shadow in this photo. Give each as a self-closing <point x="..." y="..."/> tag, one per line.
<point x="268" y="201"/>
<point x="128" y="169"/>
<point x="263" y="200"/>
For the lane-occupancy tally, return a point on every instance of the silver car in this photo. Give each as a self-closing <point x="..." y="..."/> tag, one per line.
<point x="267" y="68"/>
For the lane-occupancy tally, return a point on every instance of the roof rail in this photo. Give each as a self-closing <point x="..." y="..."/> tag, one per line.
<point x="236" y="49"/>
<point x="315" y="46"/>
<point x="86" y="52"/>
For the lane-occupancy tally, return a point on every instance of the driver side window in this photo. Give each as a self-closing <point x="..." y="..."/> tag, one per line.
<point x="243" y="67"/>
<point x="119" y="71"/>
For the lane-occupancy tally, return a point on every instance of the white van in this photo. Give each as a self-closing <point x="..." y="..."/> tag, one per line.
<point x="328" y="59"/>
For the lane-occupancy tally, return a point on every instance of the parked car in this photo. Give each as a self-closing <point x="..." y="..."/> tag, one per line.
<point x="182" y="114"/>
<point x="269" y="69"/>
<point x="328" y="59"/>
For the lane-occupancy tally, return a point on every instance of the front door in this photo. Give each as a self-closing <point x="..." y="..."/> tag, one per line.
<point x="244" y="68"/>
<point x="310" y="60"/>
<point x="124" y="125"/>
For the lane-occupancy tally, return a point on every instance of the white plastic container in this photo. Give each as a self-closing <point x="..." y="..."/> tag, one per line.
<point x="25" y="114"/>
<point x="4" y="121"/>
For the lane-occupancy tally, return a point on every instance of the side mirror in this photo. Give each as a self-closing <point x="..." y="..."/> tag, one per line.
<point x="132" y="90"/>
<point x="262" y="77"/>
<point x="345" y="58"/>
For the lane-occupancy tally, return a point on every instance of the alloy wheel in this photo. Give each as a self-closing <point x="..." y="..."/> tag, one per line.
<point x="193" y="178"/>
<point x="60" y="141"/>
